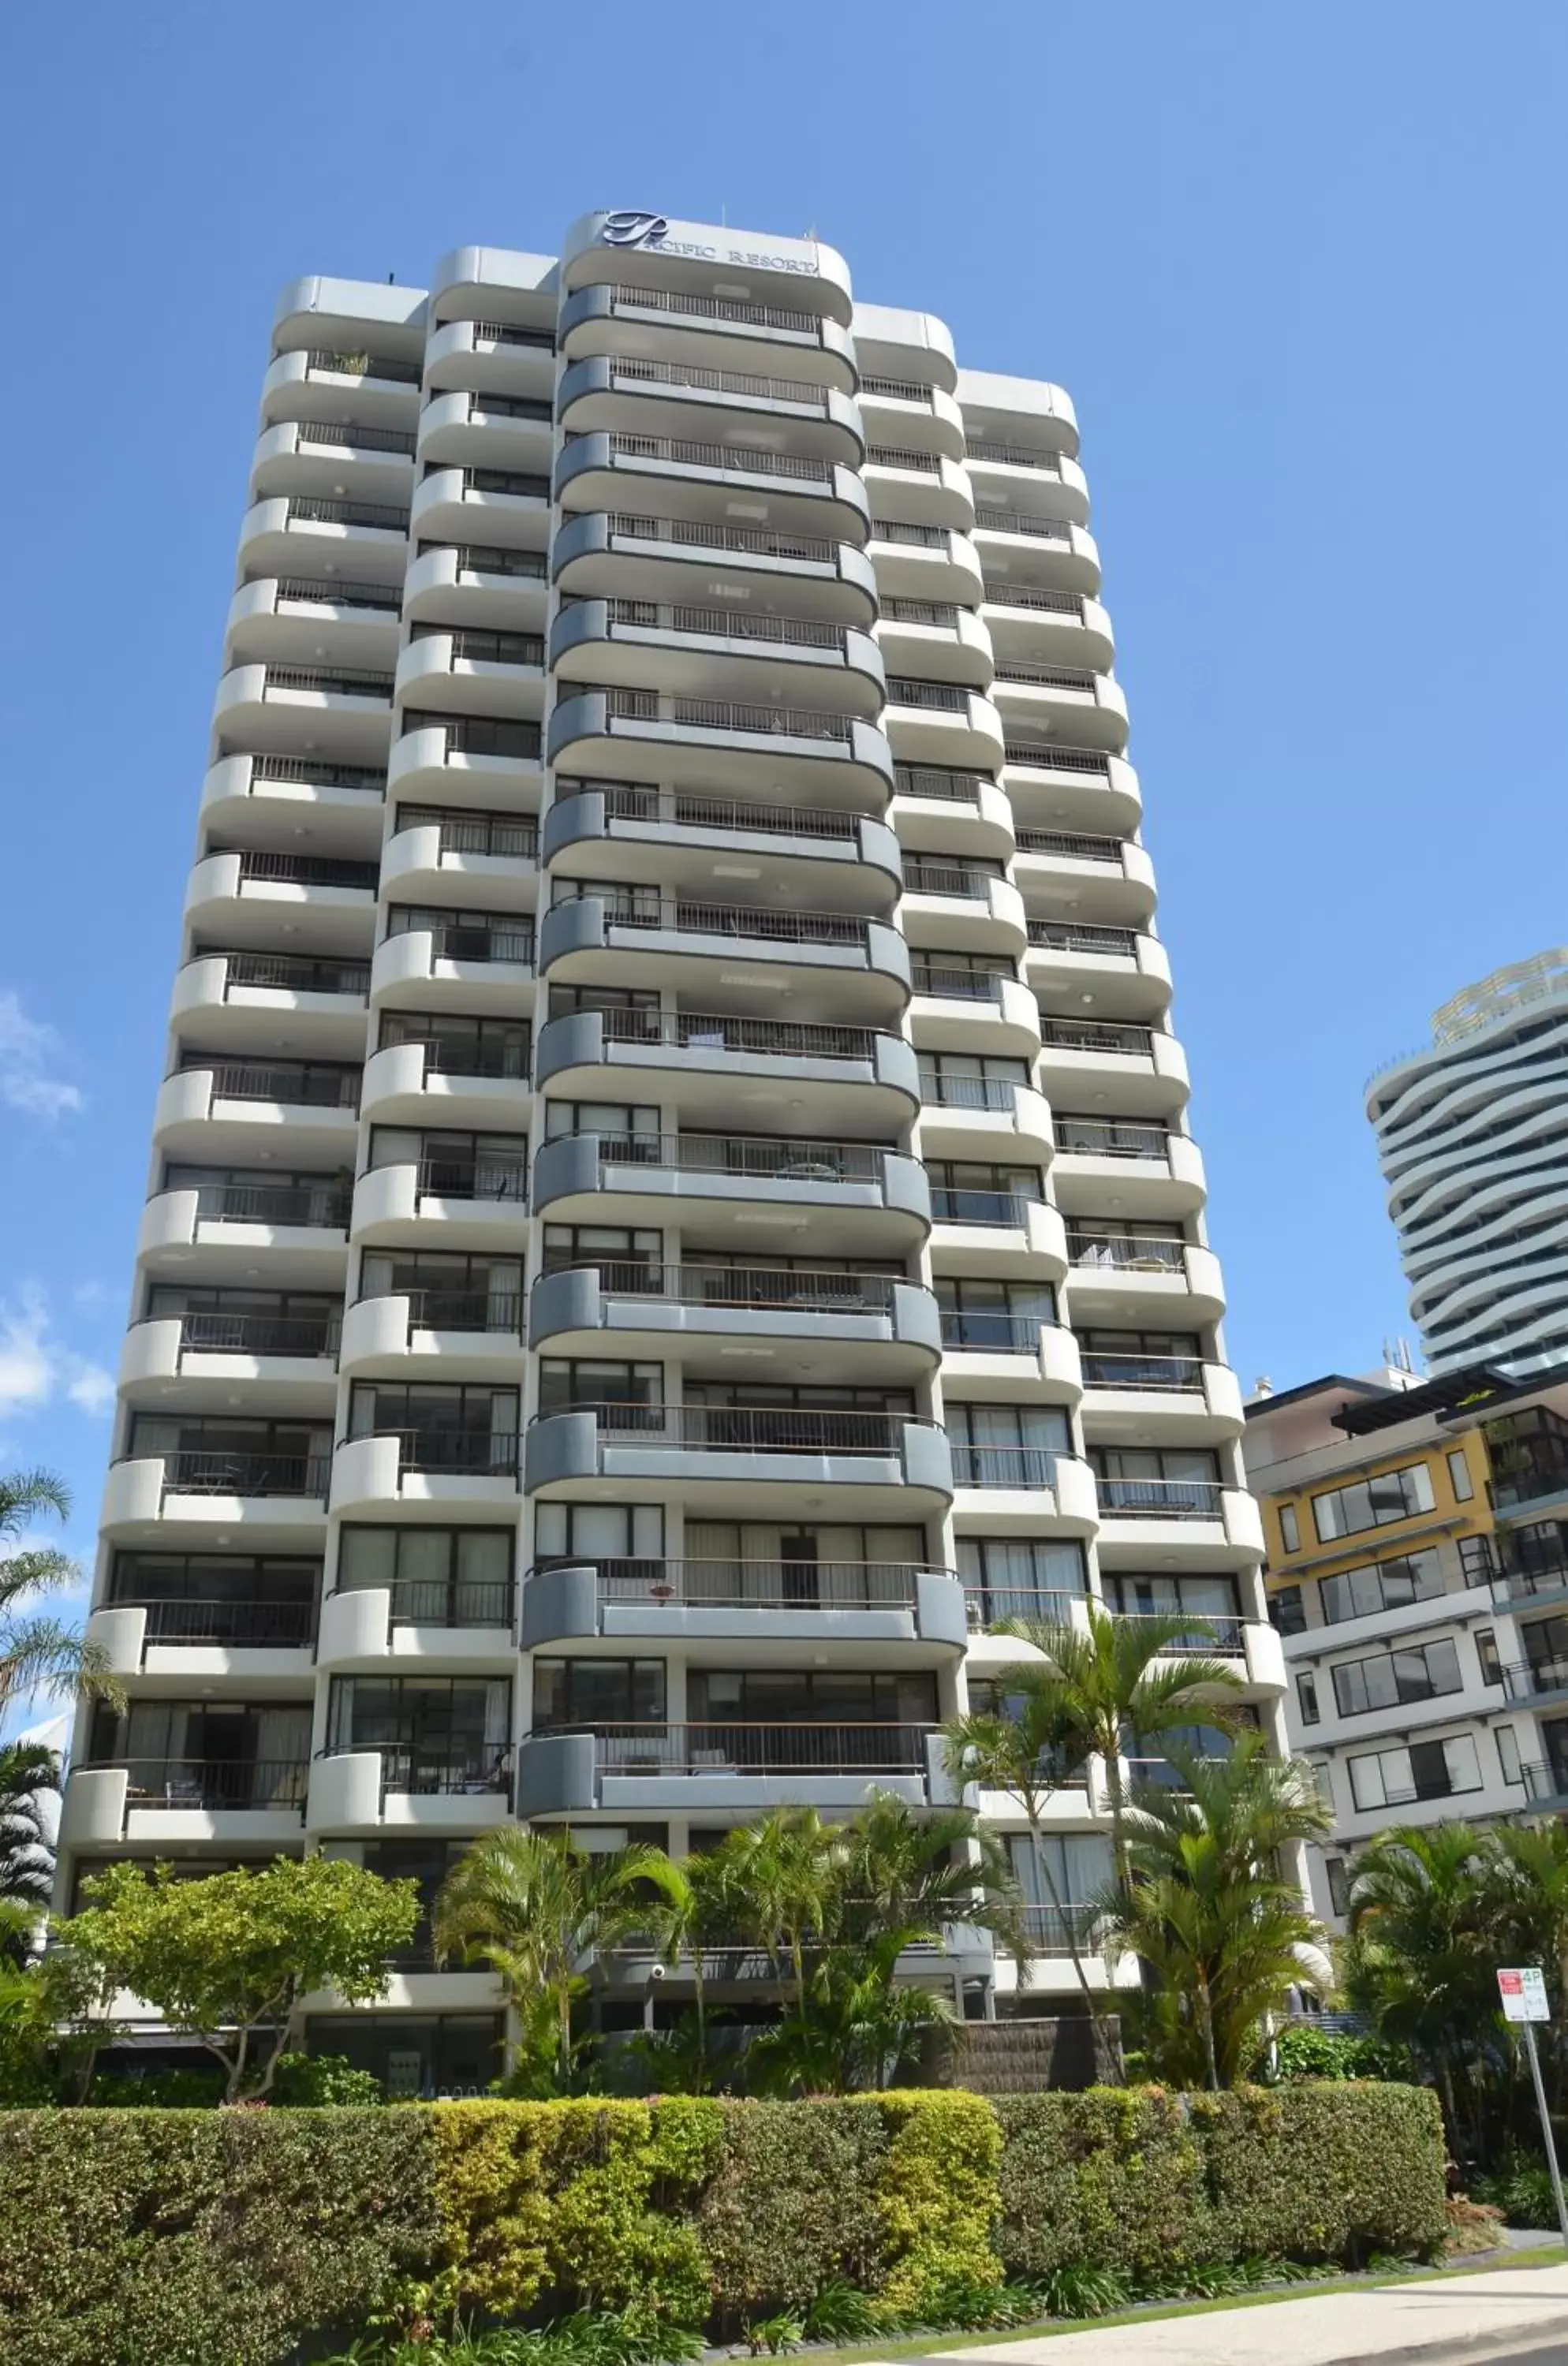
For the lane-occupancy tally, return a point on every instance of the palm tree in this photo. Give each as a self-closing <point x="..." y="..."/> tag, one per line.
<point x="1208" y="1912"/>
<point x="39" y="1654"/>
<point x="1422" y="1955"/>
<point x="775" y="1874"/>
<point x="28" y="1773"/>
<point x="699" y="1908"/>
<point x="536" y="1909"/>
<point x="1524" y="1878"/>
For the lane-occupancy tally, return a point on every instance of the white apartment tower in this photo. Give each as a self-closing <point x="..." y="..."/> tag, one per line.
<point x="671" y="1209"/>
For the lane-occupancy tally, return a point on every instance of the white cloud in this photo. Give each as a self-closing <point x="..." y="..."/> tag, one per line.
<point x="27" y="1051"/>
<point x="35" y="1367"/>
<point x="91" y="1389"/>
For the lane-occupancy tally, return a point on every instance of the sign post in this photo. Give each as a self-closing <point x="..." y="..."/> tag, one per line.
<point x="1524" y="2003"/>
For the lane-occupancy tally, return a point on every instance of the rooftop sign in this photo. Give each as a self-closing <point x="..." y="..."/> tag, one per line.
<point x="698" y="243"/>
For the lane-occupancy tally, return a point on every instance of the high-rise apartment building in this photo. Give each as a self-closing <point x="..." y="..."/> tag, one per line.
<point x="672" y="1212"/>
<point x="1471" y="1140"/>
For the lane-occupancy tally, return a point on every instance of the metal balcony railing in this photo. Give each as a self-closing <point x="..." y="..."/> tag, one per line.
<point x="762" y="1584"/>
<point x="354" y="436"/>
<point x="310" y="870"/>
<point x="463" y="941"/>
<point x="309" y="770"/>
<point x="765" y="924"/>
<point x="1159" y="1498"/>
<point x="1529" y="1680"/>
<point x="717" y="381"/>
<point x="510" y="1058"/>
<point x="933" y="697"/>
<point x="911" y="537"/>
<point x="305" y="509"/>
<point x="963" y="1205"/>
<point x="291" y="972"/>
<point x="1004" y="1466"/>
<point x="1172" y="1374"/>
<point x="475" y="1453"/>
<point x="1039" y="529"/>
<point x="451" y="1602"/>
<point x="733" y="459"/>
<point x="1045" y="603"/>
<point x="980" y="1331"/>
<point x="1112" y="1138"/>
<point x="475" y="1179"/>
<point x="424" y="1769"/>
<point x="1061" y="1929"/>
<point x="1012" y="455"/>
<point x="715" y="308"/>
<point x="1072" y="845"/>
<point x="1109" y="1036"/>
<point x="926" y="877"/>
<point x="765" y="1287"/>
<point x="726" y="624"/>
<point x="213" y="1783"/>
<point x="470" y="647"/>
<point x="299" y="1084"/>
<point x="324" y="1204"/>
<point x="1079" y="937"/>
<point x="222" y="1470"/>
<point x="1540" y="1577"/>
<point x="897" y="389"/>
<point x="509" y="333"/>
<point x="726" y="715"/>
<point x="336" y="591"/>
<point x="969" y="1092"/>
<point x="755" y="1748"/>
<point x="1046" y="676"/>
<point x="1544" y="1474"/>
<point x="764" y="1157"/>
<point x="343" y="362"/>
<point x="490" y="559"/>
<point x="753" y="1429"/>
<point x="479" y="735"/>
<point x="518" y="484"/>
<point x="953" y="984"/>
<point x="332" y="681"/>
<point x="1127" y="1252"/>
<point x="722" y="1030"/>
<point x="249" y="1624"/>
<point x="939" y="781"/>
<point x="1219" y="1639"/>
<point x="759" y="541"/>
<point x="1049" y="756"/>
<point x="252" y="1331"/>
<point x="441" y="1309"/>
<point x="695" y="809"/>
<point x="941" y="613"/>
<point x="1541" y="1780"/>
<point x="510" y="837"/>
<point x="989" y="1605"/>
<point x="897" y="455"/>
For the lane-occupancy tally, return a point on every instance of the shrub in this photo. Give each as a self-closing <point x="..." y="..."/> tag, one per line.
<point x="937" y="2199"/>
<point x="1522" y="2193"/>
<point x="310" y="2081"/>
<point x="1304" y="2052"/>
<point x="792" y="2207"/>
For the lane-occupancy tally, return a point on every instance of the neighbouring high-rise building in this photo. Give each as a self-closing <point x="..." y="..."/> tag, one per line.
<point x="671" y="1213"/>
<point x="1472" y="1140"/>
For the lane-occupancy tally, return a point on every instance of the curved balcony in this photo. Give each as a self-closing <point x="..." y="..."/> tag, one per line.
<point x="236" y="1000"/>
<point x="325" y="901"/>
<point x="1040" y="628"/>
<point x="691" y="476"/>
<point x="1029" y="1361"/>
<point x="1080" y="789"/>
<point x="1011" y="407"/>
<point x="380" y="389"/>
<point x="618" y="731"/>
<point x="878" y="1328"/>
<point x="298" y="708"/>
<point x="291" y="793"/>
<point x="221" y="1228"/>
<point x="1141" y="1069"/>
<point x="665" y="645"/>
<point x="334" y="460"/>
<point x="470" y="670"/>
<point x="903" y="413"/>
<point x="419" y="1084"/>
<point x="719" y="1063"/>
<point x="429" y="1626"/>
<point x="948" y="906"/>
<point x="473" y="1334"/>
<point x="247" y="1803"/>
<point x="462" y="965"/>
<point x="442" y="854"/>
<point x="703" y="262"/>
<point x="465" y="758"/>
<point x="951" y="814"/>
<point x="920" y="488"/>
<point x="1132" y="1278"/>
<point x="617" y="554"/>
<point x="671" y="398"/>
<point x="415" y="1791"/>
<point x="1038" y="700"/>
<point x="501" y="354"/>
<point x="445" y="1203"/>
<point x="723" y="1601"/>
<point x="481" y="584"/>
<point x="507" y="506"/>
<point x="639" y="832"/>
<point x="934" y="637"/>
<point x="673" y="940"/>
<point x="997" y="1233"/>
<point x="294" y="619"/>
<point x="707" y="331"/>
<point x="1103" y="879"/>
<point x="959" y="1009"/>
<point x="1026" y="479"/>
<point x="742" y="1769"/>
<point x="264" y="1642"/>
<point x="218" y="1489"/>
<point x="1198" y="1523"/>
<point x="926" y="562"/>
<point x="1159" y="1399"/>
<point x="1127" y="972"/>
<point x="939" y="723"/>
<point x="876" y="1464"/>
<point x="1021" y="1491"/>
<point x="432" y="1470"/>
<point x="1123" y="1168"/>
<point x="1047" y="553"/>
<point x="986" y="1118"/>
<point x="479" y="429"/>
<point x="285" y="1363"/>
<point x="856" y="1198"/>
<point x="299" y="534"/>
<point x="220" y="1112"/>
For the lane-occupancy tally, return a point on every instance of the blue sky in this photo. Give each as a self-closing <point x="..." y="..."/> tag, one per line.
<point x="1301" y="270"/>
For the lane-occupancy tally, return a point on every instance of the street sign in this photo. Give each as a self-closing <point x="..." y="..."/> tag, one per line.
<point x="1524" y="1994"/>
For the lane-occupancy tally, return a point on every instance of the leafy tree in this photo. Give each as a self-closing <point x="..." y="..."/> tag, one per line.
<point x="1420" y="1960"/>
<point x="28" y="1775"/>
<point x="227" y="1958"/>
<point x="38" y="1653"/>
<point x="1206" y="1907"/>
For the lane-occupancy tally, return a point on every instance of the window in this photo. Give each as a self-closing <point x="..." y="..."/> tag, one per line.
<point x="970" y="1079"/>
<point x="968" y="1193"/>
<point x="1509" y="1753"/>
<point x="597" y="1693"/>
<point x="449" y="1290"/>
<point x="1487" y="1652"/>
<point x="1381" y="1585"/>
<point x="1388" y="1679"/>
<point x="619" y="1118"/>
<point x="1055" y="1871"/>
<point x="1290" y="1528"/>
<point x="219" y="1598"/>
<point x="624" y="1396"/>
<point x="435" y="1734"/>
<point x="1373" y="1502"/>
<point x="612" y="1251"/>
<point x="456" y="1165"/>
<point x="1306" y="1699"/>
<point x="1005" y="1444"/>
<point x="1157" y="1482"/>
<point x="442" y="1425"/>
<point x="994" y="1317"/>
<point x="1020" y="1577"/>
<point x="437" y="1577"/>
<point x="844" y="1566"/>
<point x="457" y="1045"/>
<point x="1338" y="1884"/>
<point x="1427" y="1769"/>
<point x="413" y="2055"/>
<point x="1460" y="1479"/>
<point x="1288" y="1610"/>
<point x="596" y="1533"/>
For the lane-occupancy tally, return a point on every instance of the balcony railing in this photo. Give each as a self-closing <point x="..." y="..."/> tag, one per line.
<point x="308" y="510"/>
<point x="509" y="333"/>
<point x="755" y="1748"/>
<point x="1545" y="1474"/>
<point x="936" y="781"/>
<point x="760" y="1584"/>
<point x="764" y="1157"/>
<point x="479" y="735"/>
<point x="1529" y="1680"/>
<point x="1003" y="1466"/>
<point x="323" y="1203"/>
<point x="458" y="1602"/>
<point x="1542" y="1577"/>
<point x="1112" y="1138"/>
<point x="732" y="458"/>
<point x="990" y="1606"/>
<point x="726" y="715"/>
<point x="1127" y="1251"/>
<point x="961" y="1204"/>
<point x="953" y="984"/>
<point x="336" y="592"/>
<point x="423" y="1770"/>
<point x="1045" y="603"/>
<point x="460" y="1310"/>
<point x="695" y="809"/>
<point x="465" y="940"/>
<point x="1012" y="455"/>
<point x="1046" y="676"/>
<point x="354" y="436"/>
<point x="470" y="648"/>
<point x="336" y="682"/>
<point x="969" y="1092"/>
<point x="223" y="1471"/>
<point x="309" y="870"/>
<point x="482" y="1453"/>
<point x="1161" y="1499"/>
<point x="1049" y="756"/>
<point x="357" y="364"/>
<point x="941" y="613"/>
<point x="911" y="537"/>
<point x="510" y="1058"/>
<point x="511" y="837"/>
<point x="725" y="624"/>
<point x="1039" y="529"/>
<point x="310" y="770"/>
<point x="1072" y="845"/>
<point x="251" y="1331"/>
<point x="935" y="697"/>
<point x="715" y="308"/>
<point x="490" y="559"/>
<point x="213" y="1783"/>
<point x="475" y="1179"/>
<point x="752" y="1429"/>
<point x="1175" y="1374"/>
<point x="717" y="381"/>
<point x="980" y="1332"/>
<point x="1541" y="1780"/>
<point x="518" y="484"/>
<point x="764" y="1287"/>
<point x="897" y="455"/>
<point x="292" y="973"/>
<point x="722" y="1030"/>
<point x="299" y="1084"/>
<point x="768" y="924"/>
<point x="761" y="542"/>
<point x="923" y="877"/>
<point x="251" y="1625"/>
<point x="1062" y="1929"/>
<point x="1109" y="1036"/>
<point x="1077" y="937"/>
<point x="1211" y="1638"/>
<point x="510" y="406"/>
<point x="897" y="389"/>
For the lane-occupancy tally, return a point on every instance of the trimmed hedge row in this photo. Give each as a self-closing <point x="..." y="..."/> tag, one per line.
<point x="227" y="2239"/>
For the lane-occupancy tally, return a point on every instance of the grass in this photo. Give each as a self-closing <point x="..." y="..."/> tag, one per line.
<point x="1549" y="2255"/>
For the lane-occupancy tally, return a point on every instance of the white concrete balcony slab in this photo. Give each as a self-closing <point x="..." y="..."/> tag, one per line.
<point x="677" y="942"/>
<point x="956" y="1010"/>
<point x="1007" y="1357"/>
<point x="283" y="795"/>
<point x="1039" y="552"/>
<point x="252" y="899"/>
<point x="1103" y="880"/>
<point x="1159" y="1401"/>
<point x="334" y="460"/>
<point x="324" y="382"/>
<point x="926" y="562"/>
<point x="937" y="641"/>
<point x="371" y="1791"/>
<point x="240" y="1001"/>
<point x="1037" y="699"/>
<point x="425" y="1629"/>
<point x="679" y="399"/>
<point x="1069" y="788"/>
<point x="871" y="1464"/>
<point x="416" y="970"/>
<point x="230" y="1232"/>
<point x="266" y="1498"/>
<point x="408" y="1084"/>
<point x="933" y="723"/>
<point x="1125" y="971"/>
<point x="501" y="354"/>
<point x="599" y="554"/>
<point x="183" y="1643"/>
<point x="879" y="1330"/>
<point x="297" y="620"/>
<point x="479" y="862"/>
<point x="718" y="652"/>
<point x="233" y="1112"/>
<point x="1127" y="1170"/>
<point x="622" y="734"/>
<point x="942" y="813"/>
<point x="462" y="761"/>
<point x="686" y="476"/>
<point x="439" y="1206"/>
<point x="679" y="836"/>
<point x="342" y="710"/>
<point x="948" y="906"/>
<point x="988" y="1119"/>
<point x="1033" y="480"/>
<point x="854" y="1197"/>
<point x="149" y="1802"/>
<point x="711" y="1062"/>
<point x="708" y="332"/>
<point x="470" y="1336"/>
<point x="467" y="505"/>
<point x="728" y="1768"/>
<point x="903" y="412"/>
<point x="1013" y="1491"/>
<point x="474" y="671"/>
<point x="1142" y="1071"/>
<point x="922" y="486"/>
<point x="482" y="585"/>
<point x="427" y="1475"/>
<point x="270" y="1363"/>
<point x="1181" y="1523"/>
<point x="467" y="429"/>
<point x="1043" y="627"/>
<point x="852" y="1603"/>
<point x="1132" y="1278"/>
<point x="297" y="534"/>
<point x="998" y="1233"/>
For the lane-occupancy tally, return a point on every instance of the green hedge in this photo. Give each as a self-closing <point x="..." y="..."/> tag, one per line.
<point x="203" y="2239"/>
